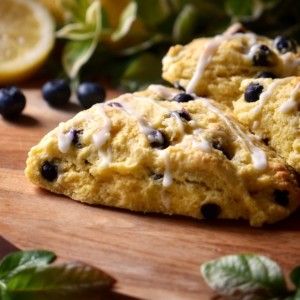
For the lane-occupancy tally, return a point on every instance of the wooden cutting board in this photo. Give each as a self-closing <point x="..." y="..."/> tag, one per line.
<point x="152" y="257"/>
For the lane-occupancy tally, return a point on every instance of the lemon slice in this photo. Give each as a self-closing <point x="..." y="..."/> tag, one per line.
<point x="26" y="38"/>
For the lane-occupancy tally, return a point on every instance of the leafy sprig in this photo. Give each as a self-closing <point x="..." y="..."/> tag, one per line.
<point x="249" y="277"/>
<point x="151" y="27"/>
<point x="30" y="275"/>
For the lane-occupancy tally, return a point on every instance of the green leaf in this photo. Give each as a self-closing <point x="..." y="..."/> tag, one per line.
<point x="245" y="275"/>
<point x="154" y="12"/>
<point x="127" y="18"/>
<point x="18" y="261"/>
<point x="185" y="24"/>
<point x="76" y="9"/>
<point x="141" y="72"/>
<point x="77" y="53"/>
<point x="71" y="280"/>
<point x="75" y="32"/>
<point x="295" y="276"/>
<point x="244" y="10"/>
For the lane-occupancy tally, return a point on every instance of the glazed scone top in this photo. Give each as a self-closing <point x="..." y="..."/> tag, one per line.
<point x="178" y="155"/>
<point x="273" y="114"/>
<point x="214" y="67"/>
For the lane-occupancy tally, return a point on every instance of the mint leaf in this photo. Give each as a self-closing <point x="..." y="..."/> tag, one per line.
<point x="17" y="261"/>
<point x="245" y="275"/>
<point x="71" y="280"/>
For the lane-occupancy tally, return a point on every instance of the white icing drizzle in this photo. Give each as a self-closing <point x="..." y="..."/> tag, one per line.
<point x="64" y="139"/>
<point x="210" y="48"/>
<point x="147" y="128"/>
<point x="102" y="136"/>
<point x="179" y="123"/>
<point x="265" y="95"/>
<point x="292" y="103"/>
<point x="167" y="179"/>
<point x="160" y="89"/>
<point x="143" y="124"/>
<point x="204" y="145"/>
<point x="258" y="156"/>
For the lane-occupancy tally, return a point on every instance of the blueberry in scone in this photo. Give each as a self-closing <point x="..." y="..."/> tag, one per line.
<point x="147" y="152"/>
<point x="214" y="67"/>
<point x="274" y="115"/>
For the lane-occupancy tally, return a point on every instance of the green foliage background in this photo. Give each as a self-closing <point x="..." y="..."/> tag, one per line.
<point x="132" y="59"/>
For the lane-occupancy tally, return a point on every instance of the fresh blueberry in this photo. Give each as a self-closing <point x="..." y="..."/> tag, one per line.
<point x="158" y="139"/>
<point x="49" y="171"/>
<point x="210" y="211"/>
<point x="114" y="104"/>
<point x="56" y="92"/>
<point x="75" y="140"/>
<point x="156" y="176"/>
<point x="217" y="144"/>
<point x="183" y="97"/>
<point x="90" y="93"/>
<point x="267" y="75"/>
<point x="282" y="197"/>
<point x="262" y="55"/>
<point x="183" y="114"/>
<point x="253" y="92"/>
<point x="12" y="102"/>
<point x="284" y="44"/>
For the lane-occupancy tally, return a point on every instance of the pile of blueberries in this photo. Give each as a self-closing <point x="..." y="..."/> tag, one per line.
<point x="57" y="93"/>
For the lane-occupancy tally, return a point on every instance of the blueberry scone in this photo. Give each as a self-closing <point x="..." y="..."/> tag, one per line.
<point x="270" y="108"/>
<point x="214" y="67"/>
<point x="165" y="151"/>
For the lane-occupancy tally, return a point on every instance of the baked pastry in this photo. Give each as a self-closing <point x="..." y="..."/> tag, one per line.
<point x="165" y="151"/>
<point x="270" y="108"/>
<point x="214" y="67"/>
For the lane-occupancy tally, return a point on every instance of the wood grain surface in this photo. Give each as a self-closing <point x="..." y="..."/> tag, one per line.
<point x="152" y="257"/>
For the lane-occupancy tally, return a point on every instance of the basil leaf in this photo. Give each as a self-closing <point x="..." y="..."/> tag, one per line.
<point x="73" y="280"/>
<point x="127" y="18"/>
<point x="17" y="261"/>
<point x="245" y="275"/>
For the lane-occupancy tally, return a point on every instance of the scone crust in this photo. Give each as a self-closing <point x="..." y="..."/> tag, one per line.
<point x="127" y="172"/>
<point x="276" y="125"/>
<point x="227" y="66"/>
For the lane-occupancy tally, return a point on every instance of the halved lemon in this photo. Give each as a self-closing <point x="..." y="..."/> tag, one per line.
<point x="26" y="39"/>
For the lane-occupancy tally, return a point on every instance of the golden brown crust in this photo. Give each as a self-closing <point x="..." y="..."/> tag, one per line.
<point x="274" y="116"/>
<point x="206" y="170"/>
<point x="228" y="60"/>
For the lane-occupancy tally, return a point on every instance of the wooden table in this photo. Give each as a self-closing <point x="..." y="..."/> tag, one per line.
<point x="152" y="257"/>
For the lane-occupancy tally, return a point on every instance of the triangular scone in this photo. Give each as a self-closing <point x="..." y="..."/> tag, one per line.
<point x="145" y="152"/>
<point x="270" y="108"/>
<point x="214" y="67"/>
